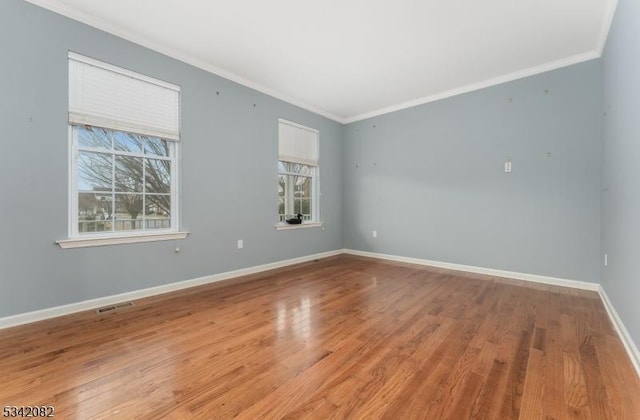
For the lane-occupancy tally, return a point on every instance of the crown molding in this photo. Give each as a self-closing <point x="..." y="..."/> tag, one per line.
<point x="63" y="9"/>
<point x="520" y="74"/>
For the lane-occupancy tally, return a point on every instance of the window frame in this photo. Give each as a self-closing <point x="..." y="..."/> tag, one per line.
<point x="101" y="105"/>
<point x="315" y="193"/>
<point x="74" y="154"/>
<point x="314" y="165"/>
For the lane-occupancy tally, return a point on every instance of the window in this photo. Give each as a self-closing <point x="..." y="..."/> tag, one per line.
<point x="124" y="137"/>
<point x="298" y="172"/>
<point x="123" y="181"/>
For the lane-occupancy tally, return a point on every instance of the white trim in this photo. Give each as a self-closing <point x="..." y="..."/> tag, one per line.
<point x="625" y="337"/>
<point x="531" y="71"/>
<point x="481" y="270"/>
<point x="61" y="8"/>
<point x="618" y="325"/>
<point x="606" y="26"/>
<point x="73" y="182"/>
<point x="28" y="317"/>
<point x="176" y="166"/>
<point x="285" y="226"/>
<point x="74" y="235"/>
<point x="119" y="239"/>
<point x="39" y="315"/>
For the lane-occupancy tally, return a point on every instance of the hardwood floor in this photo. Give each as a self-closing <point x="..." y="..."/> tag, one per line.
<point x="345" y="337"/>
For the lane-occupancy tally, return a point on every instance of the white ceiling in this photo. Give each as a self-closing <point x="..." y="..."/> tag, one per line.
<point x="352" y="59"/>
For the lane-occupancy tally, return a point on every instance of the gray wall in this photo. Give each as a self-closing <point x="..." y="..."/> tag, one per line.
<point x="621" y="173"/>
<point x="430" y="179"/>
<point x="228" y="177"/>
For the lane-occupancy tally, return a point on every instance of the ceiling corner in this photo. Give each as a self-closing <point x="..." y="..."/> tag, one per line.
<point x="606" y="26"/>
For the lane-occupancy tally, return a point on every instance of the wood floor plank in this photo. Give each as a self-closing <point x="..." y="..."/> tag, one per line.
<point x="554" y="408"/>
<point x="344" y="337"/>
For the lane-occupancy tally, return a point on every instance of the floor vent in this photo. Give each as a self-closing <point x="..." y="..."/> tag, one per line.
<point x="114" y="307"/>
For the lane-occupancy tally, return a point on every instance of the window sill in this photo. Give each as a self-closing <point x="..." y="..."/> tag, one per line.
<point x="285" y="226"/>
<point x="120" y="239"/>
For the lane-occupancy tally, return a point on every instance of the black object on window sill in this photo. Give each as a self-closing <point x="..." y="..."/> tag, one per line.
<point x="296" y="220"/>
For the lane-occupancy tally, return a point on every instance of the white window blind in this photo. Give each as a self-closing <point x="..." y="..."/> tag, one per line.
<point x="107" y="96"/>
<point x="298" y="143"/>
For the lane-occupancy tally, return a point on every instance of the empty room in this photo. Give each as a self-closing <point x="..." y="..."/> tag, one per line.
<point x="357" y="209"/>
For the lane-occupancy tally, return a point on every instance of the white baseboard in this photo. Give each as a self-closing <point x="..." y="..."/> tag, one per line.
<point x="481" y="270"/>
<point x="625" y="337"/>
<point x="627" y="341"/>
<point x="25" y="318"/>
<point x="39" y="315"/>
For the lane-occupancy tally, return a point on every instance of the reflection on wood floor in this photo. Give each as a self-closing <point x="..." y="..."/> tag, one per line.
<point x="344" y="337"/>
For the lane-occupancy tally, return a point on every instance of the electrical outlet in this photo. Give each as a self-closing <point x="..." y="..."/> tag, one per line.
<point x="240" y="244"/>
<point x="507" y="165"/>
<point x="374" y="233"/>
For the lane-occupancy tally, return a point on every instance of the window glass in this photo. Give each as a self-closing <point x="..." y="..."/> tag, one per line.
<point x="126" y="186"/>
